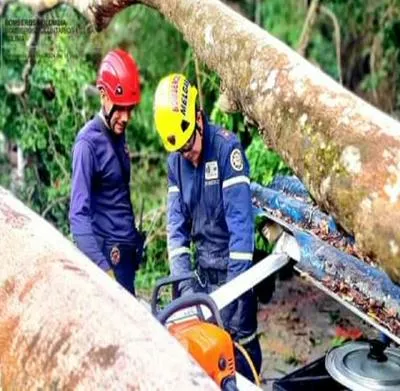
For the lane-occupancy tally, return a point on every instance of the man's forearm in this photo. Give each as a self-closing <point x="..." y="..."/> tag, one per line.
<point x="89" y="246"/>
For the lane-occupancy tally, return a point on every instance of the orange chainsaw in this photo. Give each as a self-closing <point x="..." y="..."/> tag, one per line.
<point x="207" y="341"/>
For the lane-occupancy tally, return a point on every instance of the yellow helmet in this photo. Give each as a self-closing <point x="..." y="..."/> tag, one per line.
<point x="175" y="111"/>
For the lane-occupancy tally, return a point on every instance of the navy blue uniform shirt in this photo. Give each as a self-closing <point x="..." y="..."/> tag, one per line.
<point x="100" y="210"/>
<point x="211" y="206"/>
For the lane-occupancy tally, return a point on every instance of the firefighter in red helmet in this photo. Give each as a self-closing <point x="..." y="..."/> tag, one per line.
<point x="101" y="216"/>
<point x="119" y="84"/>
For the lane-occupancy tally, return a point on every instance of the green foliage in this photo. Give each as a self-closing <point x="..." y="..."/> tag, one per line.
<point x="338" y="341"/>
<point x="233" y="122"/>
<point x="5" y="178"/>
<point x="283" y="20"/>
<point x="264" y="162"/>
<point x="151" y="179"/>
<point x="156" y="265"/>
<point x="46" y="121"/>
<point x="264" y="165"/>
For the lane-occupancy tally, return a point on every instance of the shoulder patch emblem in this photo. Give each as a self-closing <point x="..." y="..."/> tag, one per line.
<point x="237" y="160"/>
<point x="226" y="134"/>
<point x="211" y="171"/>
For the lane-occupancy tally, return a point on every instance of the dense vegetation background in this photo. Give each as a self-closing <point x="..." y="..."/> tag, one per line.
<point x="356" y="42"/>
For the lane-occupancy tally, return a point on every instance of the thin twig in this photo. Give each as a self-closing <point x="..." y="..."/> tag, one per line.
<point x="153" y="213"/>
<point x="198" y="80"/>
<point x="158" y="213"/>
<point x="185" y="64"/>
<point x="307" y="27"/>
<point x="30" y="195"/>
<point x="332" y="16"/>
<point x="56" y="154"/>
<point x="22" y="88"/>
<point x="156" y="235"/>
<point x="4" y="7"/>
<point x="257" y="12"/>
<point x="147" y="156"/>
<point x="157" y="217"/>
<point x="55" y="202"/>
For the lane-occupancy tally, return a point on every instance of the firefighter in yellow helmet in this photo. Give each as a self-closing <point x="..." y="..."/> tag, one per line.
<point x="209" y="205"/>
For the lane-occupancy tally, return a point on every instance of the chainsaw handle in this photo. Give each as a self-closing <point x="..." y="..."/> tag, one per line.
<point x="170" y="280"/>
<point x="192" y="300"/>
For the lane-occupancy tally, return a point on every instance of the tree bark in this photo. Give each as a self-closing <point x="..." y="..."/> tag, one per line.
<point x="346" y="151"/>
<point x="66" y="325"/>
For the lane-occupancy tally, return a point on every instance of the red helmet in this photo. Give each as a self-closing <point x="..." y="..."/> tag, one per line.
<point x="119" y="76"/>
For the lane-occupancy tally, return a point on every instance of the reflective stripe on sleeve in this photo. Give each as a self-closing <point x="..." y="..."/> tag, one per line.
<point x="241" y="256"/>
<point x="235" y="181"/>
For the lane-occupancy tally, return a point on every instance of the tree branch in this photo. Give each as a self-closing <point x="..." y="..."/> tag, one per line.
<point x="157" y="214"/>
<point x="325" y="10"/>
<point x="147" y="156"/>
<point x="21" y="88"/>
<point x="4" y="7"/>
<point x="56" y="154"/>
<point x="307" y="27"/>
<point x="257" y="12"/>
<point x="198" y="81"/>
<point x="53" y="204"/>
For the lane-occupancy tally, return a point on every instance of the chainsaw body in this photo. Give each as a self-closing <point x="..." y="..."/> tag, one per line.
<point x="208" y="343"/>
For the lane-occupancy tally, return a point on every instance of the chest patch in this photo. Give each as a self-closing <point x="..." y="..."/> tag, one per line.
<point x="211" y="170"/>
<point x="237" y="160"/>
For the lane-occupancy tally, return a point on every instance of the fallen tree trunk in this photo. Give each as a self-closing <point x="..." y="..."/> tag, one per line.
<point x="346" y="151"/>
<point x="64" y="324"/>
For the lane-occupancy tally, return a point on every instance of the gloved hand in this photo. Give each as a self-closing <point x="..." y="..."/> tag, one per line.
<point x="110" y="272"/>
<point x="186" y="288"/>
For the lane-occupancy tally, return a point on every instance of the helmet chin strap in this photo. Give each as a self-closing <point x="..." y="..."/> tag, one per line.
<point x="108" y="116"/>
<point x="197" y="126"/>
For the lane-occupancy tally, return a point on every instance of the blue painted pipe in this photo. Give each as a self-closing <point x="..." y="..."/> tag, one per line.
<point x="319" y="258"/>
<point x="291" y="185"/>
<point x="322" y="260"/>
<point x="301" y="212"/>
